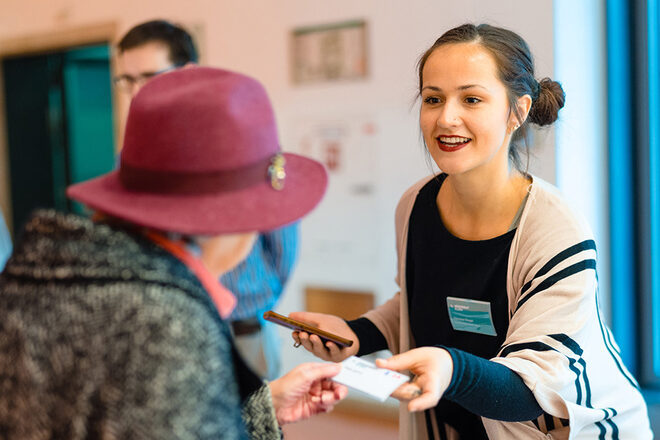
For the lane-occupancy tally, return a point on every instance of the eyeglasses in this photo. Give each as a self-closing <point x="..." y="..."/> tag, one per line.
<point x="127" y="82"/>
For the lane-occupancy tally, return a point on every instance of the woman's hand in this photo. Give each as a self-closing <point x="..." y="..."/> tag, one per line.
<point x="432" y="367"/>
<point x="305" y="391"/>
<point x="330" y="323"/>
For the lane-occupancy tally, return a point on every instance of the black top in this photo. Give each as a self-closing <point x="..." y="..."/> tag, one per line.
<point x="460" y="268"/>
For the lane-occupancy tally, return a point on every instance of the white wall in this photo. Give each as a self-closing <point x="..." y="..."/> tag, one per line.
<point x="252" y="37"/>
<point x="581" y="66"/>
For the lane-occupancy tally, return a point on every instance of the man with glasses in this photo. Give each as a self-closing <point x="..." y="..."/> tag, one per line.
<point x="156" y="47"/>
<point x="149" y="49"/>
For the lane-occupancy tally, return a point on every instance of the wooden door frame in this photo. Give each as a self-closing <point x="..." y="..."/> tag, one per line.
<point x="33" y="44"/>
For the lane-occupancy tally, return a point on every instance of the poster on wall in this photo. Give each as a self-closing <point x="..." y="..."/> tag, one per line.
<point x="339" y="230"/>
<point x="329" y="52"/>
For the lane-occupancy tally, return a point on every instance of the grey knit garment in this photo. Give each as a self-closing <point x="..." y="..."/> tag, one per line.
<point x="105" y="335"/>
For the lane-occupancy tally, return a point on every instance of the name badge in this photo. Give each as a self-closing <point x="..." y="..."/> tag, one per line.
<point x="469" y="315"/>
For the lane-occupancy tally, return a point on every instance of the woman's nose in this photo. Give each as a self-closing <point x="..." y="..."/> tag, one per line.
<point x="448" y="115"/>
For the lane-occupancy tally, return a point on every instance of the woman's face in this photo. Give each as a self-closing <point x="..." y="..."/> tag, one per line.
<point x="464" y="116"/>
<point x="223" y="253"/>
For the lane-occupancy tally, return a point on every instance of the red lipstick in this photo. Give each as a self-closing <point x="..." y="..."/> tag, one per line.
<point x="450" y="147"/>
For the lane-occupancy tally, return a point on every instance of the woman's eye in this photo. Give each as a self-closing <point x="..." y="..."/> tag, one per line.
<point x="472" y="100"/>
<point x="431" y="100"/>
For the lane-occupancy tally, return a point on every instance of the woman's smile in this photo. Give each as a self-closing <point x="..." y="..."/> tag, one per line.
<point x="450" y="144"/>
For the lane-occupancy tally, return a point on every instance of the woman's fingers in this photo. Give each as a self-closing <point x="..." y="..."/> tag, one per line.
<point x="306" y="342"/>
<point x="314" y="344"/>
<point x="399" y="362"/>
<point x="333" y="349"/>
<point x="306" y="317"/>
<point x="407" y="391"/>
<point x="433" y="368"/>
<point x="317" y="344"/>
<point x="427" y="400"/>
<point x="340" y="391"/>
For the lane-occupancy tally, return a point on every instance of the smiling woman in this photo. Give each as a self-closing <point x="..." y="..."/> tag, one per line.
<point x="464" y="114"/>
<point x="496" y="272"/>
<point x="509" y="62"/>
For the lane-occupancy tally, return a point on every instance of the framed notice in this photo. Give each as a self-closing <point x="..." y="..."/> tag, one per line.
<point x="330" y="52"/>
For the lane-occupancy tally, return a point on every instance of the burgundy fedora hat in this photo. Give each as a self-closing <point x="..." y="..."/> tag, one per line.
<point x="201" y="156"/>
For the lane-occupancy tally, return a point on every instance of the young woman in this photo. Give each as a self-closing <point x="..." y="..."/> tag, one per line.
<point x="496" y="273"/>
<point x="114" y="328"/>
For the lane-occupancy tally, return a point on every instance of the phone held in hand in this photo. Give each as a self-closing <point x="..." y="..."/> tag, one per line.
<point x="302" y="327"/>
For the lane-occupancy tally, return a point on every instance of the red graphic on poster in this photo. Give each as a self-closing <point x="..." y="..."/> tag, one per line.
<point x="332" y="155"/>
<point x="369" y="129"/>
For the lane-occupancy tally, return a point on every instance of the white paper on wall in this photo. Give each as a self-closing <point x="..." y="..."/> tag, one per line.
<point x="338" y="232"/>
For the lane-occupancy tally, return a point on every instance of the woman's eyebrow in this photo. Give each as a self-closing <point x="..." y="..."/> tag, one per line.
<point x="470" y="86"/>
<point x="464" y="87"/>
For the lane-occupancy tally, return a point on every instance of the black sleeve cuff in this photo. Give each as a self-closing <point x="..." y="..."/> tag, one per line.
<point x="371" y="339"/>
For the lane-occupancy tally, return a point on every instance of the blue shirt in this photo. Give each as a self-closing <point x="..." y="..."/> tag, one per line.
<point x="259" y="280"/>
<point x="5" y="243"/>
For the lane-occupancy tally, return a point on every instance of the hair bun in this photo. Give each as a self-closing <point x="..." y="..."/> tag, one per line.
<point x="545" y="109"/>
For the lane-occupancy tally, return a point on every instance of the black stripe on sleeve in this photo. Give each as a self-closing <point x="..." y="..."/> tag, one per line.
<point x="549" y="421"/>
<point x="572" y="345"/>
<point x="612" y="350"/>
<point x="536" y="346"/>
<point x="609" y="421"/>
<point x="575" y="348"/>
<point x="564" y="273"/>
<point x="563" y="255"/>
<point x="540" y="346"/>
<point x="568" y="342"/>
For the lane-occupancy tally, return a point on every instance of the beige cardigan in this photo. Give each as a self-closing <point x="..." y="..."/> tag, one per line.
<point x="552" y="286"/>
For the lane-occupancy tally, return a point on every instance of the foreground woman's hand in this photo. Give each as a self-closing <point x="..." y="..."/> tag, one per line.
<point x="330" y="323"/>
<point x="432" y="367"/>
<point x="305" y="391"/>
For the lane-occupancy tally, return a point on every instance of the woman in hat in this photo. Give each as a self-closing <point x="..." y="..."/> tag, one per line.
<point x="112" y="328"/>
<point x="496" y="271"/>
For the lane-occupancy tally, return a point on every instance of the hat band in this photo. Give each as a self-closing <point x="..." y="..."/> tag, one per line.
<point x="182" y="182"/>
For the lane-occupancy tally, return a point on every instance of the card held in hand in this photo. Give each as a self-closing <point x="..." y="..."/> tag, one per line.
<point x="364" y="376"/>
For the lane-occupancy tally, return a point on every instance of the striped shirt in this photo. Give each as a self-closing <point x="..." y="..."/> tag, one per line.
<point x="259" y="280"/>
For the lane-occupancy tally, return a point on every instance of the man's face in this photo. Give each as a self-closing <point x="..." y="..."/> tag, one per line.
<point x="137" y="65"/>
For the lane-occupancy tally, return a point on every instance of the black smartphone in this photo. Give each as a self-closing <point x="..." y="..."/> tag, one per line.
<point x="301" y="326"/>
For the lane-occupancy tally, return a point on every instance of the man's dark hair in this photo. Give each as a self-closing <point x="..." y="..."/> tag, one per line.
<point x="178" y="40"/>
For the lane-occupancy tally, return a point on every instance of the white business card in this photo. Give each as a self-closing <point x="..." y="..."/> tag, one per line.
<point x="368" y="378"/>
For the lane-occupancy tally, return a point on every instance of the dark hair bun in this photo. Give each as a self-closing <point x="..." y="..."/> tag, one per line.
<point x="545" y="108"/>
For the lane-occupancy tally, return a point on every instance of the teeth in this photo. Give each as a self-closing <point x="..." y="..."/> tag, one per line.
<point x="453" y="139"/>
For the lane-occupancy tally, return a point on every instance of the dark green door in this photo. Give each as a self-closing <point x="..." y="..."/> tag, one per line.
<point x="88" y="101"/>
<point x="59" y="123"/>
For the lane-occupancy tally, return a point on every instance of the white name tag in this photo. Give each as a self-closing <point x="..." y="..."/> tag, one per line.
<point x="368" y="378"/>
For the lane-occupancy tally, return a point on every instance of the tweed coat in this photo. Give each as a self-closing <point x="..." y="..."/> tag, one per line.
<point x="105" y="335"/>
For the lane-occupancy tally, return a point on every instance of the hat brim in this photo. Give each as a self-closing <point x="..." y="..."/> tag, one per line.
<point x="257" y="208"/>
